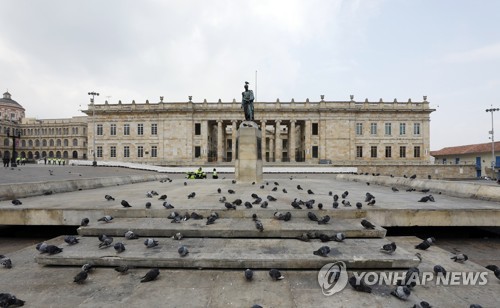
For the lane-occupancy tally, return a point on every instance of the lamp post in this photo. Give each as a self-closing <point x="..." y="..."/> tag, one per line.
<point x="493" y="160"/>
<point x="16" y="135"/>
<point x="93" y="94"/>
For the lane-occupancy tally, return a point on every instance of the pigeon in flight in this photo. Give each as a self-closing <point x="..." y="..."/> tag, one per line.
<point x="85" y="222"/>
<point x="183" y="251"/>
<point x="322" y="251"/>
<point x="460" y="258"/>
<point x="275" y="274"/>
<point x="368" y="225"/>
<point x="80" y="277"/>
<point x="359" y="285"/>
<point x="151" y="275"/>
<point x="401" y="292"/>
<point x="150" y="243"/>
<point x="71" y="239"/>
<point x="109" y="198"/>
<point x="107" y="218"/>
<point x="389" y="248"/>
<point x="248" y="274"/>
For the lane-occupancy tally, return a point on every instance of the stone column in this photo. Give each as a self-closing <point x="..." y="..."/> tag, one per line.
<point x="291" y="141"/>
<point x="271" y="149"/>
<point x="220" y="142"/>
<point x="204" y="140"/>
<point x="277" y="142"/>
<point x="263" y="143"/>
<point x="233" y="137"/>
<point x="307" y="143"/>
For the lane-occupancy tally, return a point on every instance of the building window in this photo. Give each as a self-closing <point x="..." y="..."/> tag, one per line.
<point x="457" y="160"/>
<point x="140" y="129"/>
<point x="373" y="128"/>
<point x="229" y="144"/>
<point x="402" y="151"/>
<point x="126" y="130"/>
<point x="315" y="129"/>
<point x="140" y="151"/>
<point x="75" y="142"/>
<point x="66" y="142"/>
<point x="359" y="129"/>
<point x="402" y="128"/>
<point x="99" y="129"/>
<point x="126" y="151"/>
<point x="197" y="152"/>
<point x="416" y="129"/>
<point x="112" y="130"/>
<point x="154" y="151"/>
<point x="112" y="151"/>
<point x="359" y="151"/>
<point x="197" y="129"/>
<point x="373" y="152"/>
<point x="99" y="151"/>
<point x="315" y="151"/>
<point x="416" y="151"/>
<point x="388" y="129"/>
<point x="154" y="129"/>
<point x="388" y="152"/>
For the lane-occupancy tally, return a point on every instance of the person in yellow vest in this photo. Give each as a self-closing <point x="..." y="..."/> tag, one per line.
<point x="214" y="174"/>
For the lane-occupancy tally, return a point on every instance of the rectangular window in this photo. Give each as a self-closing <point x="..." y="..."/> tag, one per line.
<point x="140" y="129"/>
<point x="99" y="130"/>
<point x="197" y="152"/>
<point x="229" y="144"/>
<point x="388" y="129"/>
<point x="315" y="129"/>
<point x="388" y="152"/>
<point x="416" y="152"/>
<point x="197" y="129"/>
<point x="126" y="130"/>
<point x="457" y="160"/>
<point x="373" y="128"/>
<point x="112" y="151"/>
<point x="154" y="151"/>
<point x="112" y="130"/>
<point x="402" y="128"/>
<point x="359" y="151"/>
<point x="154" y="129"/>
<point x="140" y="151"/>
<point x="99" y="151"/>
<point x="402" y="151"/>
<point x="416" y="129"/>
<point x="315" y="151"/>
<point x="126" y="151"/>
<point x="359" y="129"/>
<point x="373" y="152"/>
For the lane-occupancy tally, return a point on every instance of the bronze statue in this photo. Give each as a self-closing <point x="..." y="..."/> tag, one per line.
<point x="247" y="102"/>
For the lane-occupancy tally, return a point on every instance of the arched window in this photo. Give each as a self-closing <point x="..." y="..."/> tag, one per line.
<point x="44" y="154"/>
<point x="66" y="143"/>
<point x="51" y="154"/>
<point x="58" y="142"/>
<point x="75" y="154"/>
<point x="75" y="142"/>
<point x="30" y="143"/>
<point x="58" y="154"/>
<point x="51" y="142"/>
<point x="6" y="142"/>
<point x="37" y="143"/>
<point x="65" y="154"/>
<point x="23" y="143"/>
<point x="30" y="155"/>
<point x="44" y="142"/>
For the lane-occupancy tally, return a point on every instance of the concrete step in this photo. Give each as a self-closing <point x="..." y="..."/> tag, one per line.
<point x="230" y="228"/>
<point x="219" y="253"/>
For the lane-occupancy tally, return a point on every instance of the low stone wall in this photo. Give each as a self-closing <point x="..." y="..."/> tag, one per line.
<point x="422" y="171"/>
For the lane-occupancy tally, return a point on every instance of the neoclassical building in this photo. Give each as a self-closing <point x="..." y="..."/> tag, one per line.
<point x="337" y="132"/>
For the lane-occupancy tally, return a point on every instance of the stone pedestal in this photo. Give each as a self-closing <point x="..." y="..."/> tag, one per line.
<point x="248" y="163"/>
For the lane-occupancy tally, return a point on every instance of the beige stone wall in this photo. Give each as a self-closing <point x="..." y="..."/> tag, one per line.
<point x="422" y="171"/>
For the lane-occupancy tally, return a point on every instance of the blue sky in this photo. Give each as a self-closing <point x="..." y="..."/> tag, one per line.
<point x="54" y="52"/>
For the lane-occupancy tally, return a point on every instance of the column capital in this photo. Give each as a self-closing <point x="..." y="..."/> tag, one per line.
<point x="278" y="121"/>
<point x="293" y="121"/>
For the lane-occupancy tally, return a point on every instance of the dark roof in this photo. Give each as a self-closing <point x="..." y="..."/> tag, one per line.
<point x="467" y="149"/>
<point x="6" y="100"/>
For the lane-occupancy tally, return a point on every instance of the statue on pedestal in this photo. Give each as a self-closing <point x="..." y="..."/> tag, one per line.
<point x="247" y="102"/>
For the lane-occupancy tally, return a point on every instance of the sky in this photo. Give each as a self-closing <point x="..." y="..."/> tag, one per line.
<point x="53" y="52"/>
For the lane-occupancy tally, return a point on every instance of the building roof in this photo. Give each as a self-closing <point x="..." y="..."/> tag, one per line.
<point x="467" y="149"/>
<point x="6" y="100"/>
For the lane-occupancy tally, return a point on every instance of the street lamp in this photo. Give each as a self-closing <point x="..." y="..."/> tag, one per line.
<point x="16" y="135"/>
<point x="93" y="94"/>
<point x="493" y="160"/>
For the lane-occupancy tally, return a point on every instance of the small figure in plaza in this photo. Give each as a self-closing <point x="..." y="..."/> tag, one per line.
<point x="214" y="174"/>
<point x="247" y="102"/>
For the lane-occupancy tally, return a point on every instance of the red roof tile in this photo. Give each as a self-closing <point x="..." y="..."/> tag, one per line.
<point x="467" y="149"/>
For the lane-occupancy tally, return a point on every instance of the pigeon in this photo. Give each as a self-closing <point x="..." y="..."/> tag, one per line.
<point x="296" y="205"/>
<point x="178" y="236"/>
<point x="80" y="277"/>
<point x="368" y="183"/>
<point x="53" y="249"/>
<point x="423" y="304"/>
<point x="163" y="197"/>
<point x="5" y="261"/>
<point x="460" y="258"/>
<point x="423" y="246"/>
<point x="122" y="269"/>
<point x="410" y="277"/>
<point x="222" y="199"/>
<point x="109" y="198"/>
<point x="497" y="273"/>
<point x="303" y="237"/>
<point x="438" y="269"/>
<point x="413" y="177"/>
<point x="276" y="183"/>
<point x="87" y="267"/>
<point x="219" y="190"/>
<point x="254" y="195"/>
<point x="106" y="218"/>
<point x="394" y="189"/>
<point x="299" y="187"/>
<point x="185" y="183"/>
<point x="196" y="216"/>
<point x="339" y="237"/>
<point x="172" y="215"/>
<point x="248" y="205"/>
<point x="259" y="225"/>
<point x="359" y="205"/>
<point x="335" y="204"/>
<point x="310" y="192"/>
<point x="322" y="251"/>
<point x="287" y="216"/>
<point x="233" y="181"/>
<point x="257" y="201"/>
<point x="271" y="198"/>
<point x="330" y="193"/>
<point x="106" y="242"/>
<point x="119" y="247"/>
<point x="211" y="220"/>
<point x="167" y="205"/>
<point x="389" y="248"/>
<point x="285" y="191"/>
<point x="85" y="222"/>
<point x="149" y="195"/>
<point x="369" y="197"/>
<point x="130" y="235"/>
<point x="148" y="205"/>
<point x="16" y="202"/>
<point x="237" y="202"/>
<point x="371" y="202"/>
<point x="71" y="239"/>
<point x="151" y="275"/>
<point x="320" y="206"/>
<point x="9" y="300"/>
<point x="430" y="240"/>
<point x="229" y="206"/>
<point x="274" y="189"/>
<point x="324" y="220"/>
<point x="261" y="186"/>
<point x="264" y="204"/>
<point x="248" y="274"/>
<point x="335" y="197"/>
<point x="275" y="274"/>
<point x="150" y="242"/>
<point x="401" y="292"/>
<point x="124" y="203"/>
<point x="309" y="204"/>
<point x="183" y="251"/>
<point x="324" y="238"/>
<point x="191" y="195"/>
<point x="345" y="194"/>
<point x="492" y="267"/>
<point x="230" y="191"/>
<point x="41" y="247"/>
<point x="368" y="225"/>
<point x="312" y="216"/>
<point x="359" y="285"/>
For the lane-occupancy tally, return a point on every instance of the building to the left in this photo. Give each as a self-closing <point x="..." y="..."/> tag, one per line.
<point x="40" y="138"/>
